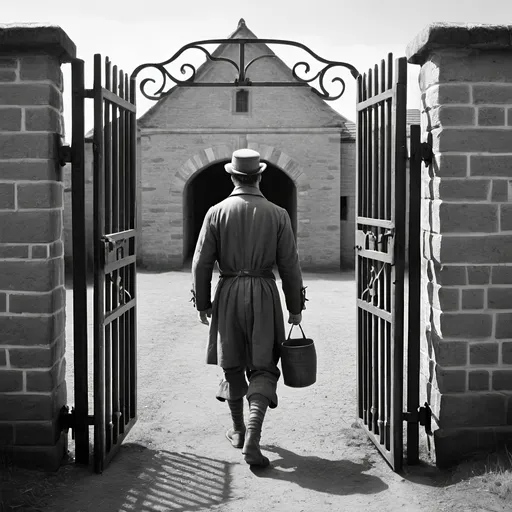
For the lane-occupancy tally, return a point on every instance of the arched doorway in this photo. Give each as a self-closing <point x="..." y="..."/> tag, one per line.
<point x="213" y="184"/>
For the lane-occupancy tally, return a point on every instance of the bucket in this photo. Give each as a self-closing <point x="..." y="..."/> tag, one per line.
<point x="298" y="361"/>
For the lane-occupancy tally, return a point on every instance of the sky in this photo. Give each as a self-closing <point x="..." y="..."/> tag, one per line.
<point x="361" y="33"/>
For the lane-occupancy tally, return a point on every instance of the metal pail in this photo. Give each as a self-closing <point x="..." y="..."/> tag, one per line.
<point x="298" y="361"/>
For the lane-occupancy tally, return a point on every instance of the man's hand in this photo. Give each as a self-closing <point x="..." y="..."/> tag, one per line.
<point x="204" y="315"/>
<point x="295" y="319"/>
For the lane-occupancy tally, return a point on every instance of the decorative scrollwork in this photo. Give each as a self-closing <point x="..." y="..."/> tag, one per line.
<point x="240" y="78"/>
<point x="372" y="284"/>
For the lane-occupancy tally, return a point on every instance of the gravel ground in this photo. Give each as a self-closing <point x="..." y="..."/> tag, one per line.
<point x="177" y="458"/>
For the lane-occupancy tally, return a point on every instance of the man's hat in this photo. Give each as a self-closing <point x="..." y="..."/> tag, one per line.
<point x="245" y="161"/>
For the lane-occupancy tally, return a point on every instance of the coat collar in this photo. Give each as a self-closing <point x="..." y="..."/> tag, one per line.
<point x="246" y="189"/>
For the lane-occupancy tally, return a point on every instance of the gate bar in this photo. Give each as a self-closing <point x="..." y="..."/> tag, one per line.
<point x="413" y="351"/>
<point x="80" y="357"/>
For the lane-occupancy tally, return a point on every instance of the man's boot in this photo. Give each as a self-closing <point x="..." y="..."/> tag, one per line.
<point x="252" y="454"/>
<point x="237" y="434"/>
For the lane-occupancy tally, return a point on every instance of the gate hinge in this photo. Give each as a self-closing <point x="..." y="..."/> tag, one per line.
<point x="67" y="420"/>
<point x="64" y="154"/>
<point x="423" y="416"/>
<point x="427" y="155"/>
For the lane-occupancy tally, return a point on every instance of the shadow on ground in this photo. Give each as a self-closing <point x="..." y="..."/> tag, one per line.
<point x="140" y="479"/>
<point x="335" y="477"/>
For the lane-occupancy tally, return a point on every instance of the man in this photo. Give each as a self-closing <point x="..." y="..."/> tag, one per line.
<point x="247" y="235"/>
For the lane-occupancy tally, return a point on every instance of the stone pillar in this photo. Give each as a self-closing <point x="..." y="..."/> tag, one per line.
<point x="32" y="294"/>
<point x="466" y="85"/>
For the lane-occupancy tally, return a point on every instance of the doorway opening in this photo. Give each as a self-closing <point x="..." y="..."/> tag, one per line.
<point x="213" y="184"/>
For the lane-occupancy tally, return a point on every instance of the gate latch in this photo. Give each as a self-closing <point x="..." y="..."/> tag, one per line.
<point x="64" y="154"/>
<point x="67" y="420"/>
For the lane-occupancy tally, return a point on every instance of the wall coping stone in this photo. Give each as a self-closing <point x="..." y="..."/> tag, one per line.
<point x="458" y="36"/>
<point x="40" y="37"/>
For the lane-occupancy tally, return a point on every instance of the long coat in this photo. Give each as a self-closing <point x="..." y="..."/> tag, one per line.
<point x="246" y="232"/>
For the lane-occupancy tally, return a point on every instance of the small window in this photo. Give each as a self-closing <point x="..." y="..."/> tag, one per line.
<point x="242" y="101"/>
<point x="343" y="208"/>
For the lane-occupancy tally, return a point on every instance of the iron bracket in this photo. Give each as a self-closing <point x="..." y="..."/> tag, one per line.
<point x="64" y="154"/>
<point x="427" y="155"/>
<point x="423" y="416"/>
<point x="67" y="420"/>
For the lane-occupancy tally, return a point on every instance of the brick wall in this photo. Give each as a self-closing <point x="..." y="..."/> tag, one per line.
<point x="32" y="294"/>
<point x="466" y="88"/>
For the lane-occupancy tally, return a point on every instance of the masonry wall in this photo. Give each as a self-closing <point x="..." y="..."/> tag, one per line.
<point x="170" y="160"/>
<point x="348" y="190"/>
<point x="32" y="294"/>
<point x="466" y="84"/>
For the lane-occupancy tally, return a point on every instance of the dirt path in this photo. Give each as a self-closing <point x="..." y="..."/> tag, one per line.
<point x="177" y="458"/>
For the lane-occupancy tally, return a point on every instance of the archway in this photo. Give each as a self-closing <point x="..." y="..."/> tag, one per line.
<point x="213" y="184"/>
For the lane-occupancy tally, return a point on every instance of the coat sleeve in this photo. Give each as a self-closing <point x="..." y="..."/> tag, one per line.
<point x="289" y="267"/>
<point x="204" y="259"/>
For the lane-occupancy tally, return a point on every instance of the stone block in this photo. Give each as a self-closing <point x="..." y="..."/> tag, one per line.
<point x="450" y="381"/>
<point x="28" y="145"/>
<point x="11" y="381"/>
<point x="30" y="94"/>
<point x="506" y="217"/>
<point x="489" y="249"/>
<point x="492" y="94"/>
<point x="460" y="189"/>
<point x="502" y="380"/>
<point x="43" y="119"/>
<point x="7" y="196"/>
<point x="479" y="274"/>
<point x="40" y="252"/>
<point x="499" y="166"/>
<point x="448" y="275"/>
<point x="38" y="302"/>
<point x="3" y="302"/>
<point x="31" y="331"/>
<point x="27" y="170"/>
<point x="464" y="218"/>
<point x="463" y="325"/>
<point x="483" y="353"/>
<point x="506" y="352"/>
<point x="40" y="68"/>
<point x="503" y="325"/>
<point x="31" y="275"/>
<point x="451" y="166"/>
<point x="478" y="380"/>
<point x="8" y="62"/>
<point x="44" y="381"/>
<point x="40" y="195"/>
<point x="30" y="227"/>
<point x="26" y="407"/>
<point x="3" y="357"/>
<point x="443" y="94"/>
<point x="499" y="191"/>
<point x="475" y="140"/>
<point x="491" y="116"/>
<point x="451" y="353"/>
<point x="502" y="274"/>
<point x="473" y="299"/>
<point x="444" y="299"/>
<point x="13" y="251"/>
<point x="37" y="433"/>
<point x="499" y="298"/>
<point x="472" y="410"/>
<point x="10" y="119"/>
<point x="452" y="116"/>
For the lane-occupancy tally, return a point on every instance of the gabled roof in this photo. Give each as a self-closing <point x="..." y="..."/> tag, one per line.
<point x="241" y="32"/>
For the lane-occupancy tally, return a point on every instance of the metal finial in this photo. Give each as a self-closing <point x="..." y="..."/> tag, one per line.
<point x="241" y="23"/>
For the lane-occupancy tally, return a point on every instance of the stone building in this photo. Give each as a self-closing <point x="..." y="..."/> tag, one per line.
<point x="189" y="134"/>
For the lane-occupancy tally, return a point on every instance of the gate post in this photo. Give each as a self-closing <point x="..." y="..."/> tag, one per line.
<point x="32" y="294"/>
<point x="466" y="84"/>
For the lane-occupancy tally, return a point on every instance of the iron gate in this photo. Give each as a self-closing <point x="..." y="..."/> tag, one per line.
<point x="114" y="301"/>
<point x="380" y="253"/>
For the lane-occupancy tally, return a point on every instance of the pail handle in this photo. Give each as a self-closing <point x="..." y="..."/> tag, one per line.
<point x="300" y="326"/>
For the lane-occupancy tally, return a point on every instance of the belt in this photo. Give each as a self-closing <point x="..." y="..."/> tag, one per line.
<point x="265" y="274"/>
